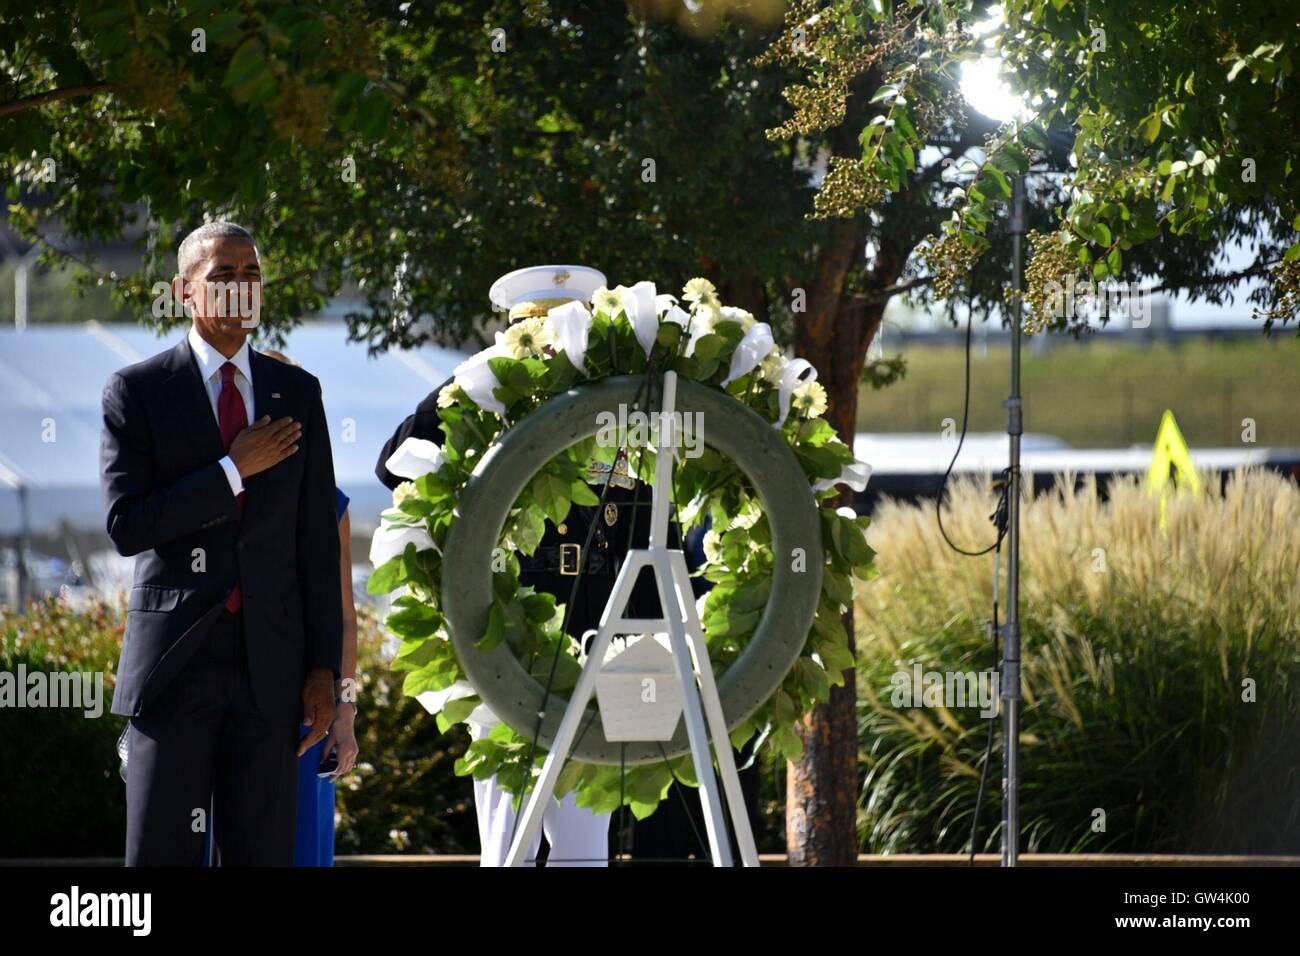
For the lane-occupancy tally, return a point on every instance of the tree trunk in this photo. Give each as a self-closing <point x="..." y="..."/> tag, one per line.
<point x="822" y="787"/>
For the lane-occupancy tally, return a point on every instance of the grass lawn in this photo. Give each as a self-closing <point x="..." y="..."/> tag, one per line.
<point x="1105" y="394"/>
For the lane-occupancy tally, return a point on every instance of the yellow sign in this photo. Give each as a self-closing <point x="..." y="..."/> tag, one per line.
<point x="1172" y="457"/>
<point x="1171" y="462"/>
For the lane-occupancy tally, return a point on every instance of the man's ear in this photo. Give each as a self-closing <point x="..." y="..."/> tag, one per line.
<point x="182" y="290"/>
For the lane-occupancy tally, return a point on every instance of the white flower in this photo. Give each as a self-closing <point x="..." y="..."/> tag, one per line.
<point x="391" y="540"/>
<point x="435" y="700"/>
<point x="476" y="379"/>
<point x="404" y="491"/>
<point x="855" y="474"/>
<point x="527" y="337"/>
<point x="482" y="720"/>
<point x="704" y="299"/>
<point x="414" y="458"/>
<point x="449" y="395"/>
<point x="639" y="307"/>
<point x="675" y="314"/>
<point x="810" y="399"/>
<point x="773" y="367"/>
<point x="664" y="302"/>
<point x="700" y="290"/>
<point x="732" y="314"/>
<point x="606" y="300"/>
<point x="572" y="325"/>
<point x="796" y="374"/>
<point x="756" y="344"/>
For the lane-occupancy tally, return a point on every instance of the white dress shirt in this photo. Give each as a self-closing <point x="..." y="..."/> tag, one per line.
<point x="210" y="362"/>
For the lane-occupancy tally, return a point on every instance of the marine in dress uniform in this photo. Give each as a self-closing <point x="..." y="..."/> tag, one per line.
<point x="574" y="834"/>
<point x="622" y="522"/>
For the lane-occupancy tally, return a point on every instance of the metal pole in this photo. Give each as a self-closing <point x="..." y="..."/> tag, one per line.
<point x="1011" y="646"/>
<point x="21" y="271"/>
<point x="24" y="547"/>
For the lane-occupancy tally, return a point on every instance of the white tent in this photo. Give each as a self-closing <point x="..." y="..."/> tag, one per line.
<point x="52" y="377"/>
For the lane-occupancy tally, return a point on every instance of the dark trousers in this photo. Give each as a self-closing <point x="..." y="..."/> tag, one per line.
<point x="203" y="755"/>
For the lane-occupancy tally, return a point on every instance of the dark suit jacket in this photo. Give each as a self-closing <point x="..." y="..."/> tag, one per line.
<point x="169" y="503"/>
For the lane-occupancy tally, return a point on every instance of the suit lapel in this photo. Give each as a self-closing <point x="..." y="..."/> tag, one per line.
<point x="266" y="385"/>
<point x="267" y="391"/>
<point x="188" y="402"/>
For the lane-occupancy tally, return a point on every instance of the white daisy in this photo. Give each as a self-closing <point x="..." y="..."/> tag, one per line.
<point x="606" y="300"/>
<point x="527" y="337"/>
<point x="449" y="396"/>
<point x="700" y="290"/>
<point x="810" y="400"/>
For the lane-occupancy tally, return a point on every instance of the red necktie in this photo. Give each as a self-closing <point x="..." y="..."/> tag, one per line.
<point x="232" y="418"/>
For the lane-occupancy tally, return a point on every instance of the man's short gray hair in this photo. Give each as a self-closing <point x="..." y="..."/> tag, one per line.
<point x="190" y="252"/>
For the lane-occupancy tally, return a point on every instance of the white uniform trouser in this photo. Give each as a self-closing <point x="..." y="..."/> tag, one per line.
<point x="577" y="836"/>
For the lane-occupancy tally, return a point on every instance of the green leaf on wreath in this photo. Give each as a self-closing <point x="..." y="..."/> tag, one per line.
<point x="454" y="711"/>
<point x="496" y="629"/>
<point x="551" y="493"/>
<point x="530" y="526"/>
<point x="386" y="577"/>
<point x="581" y="494"/>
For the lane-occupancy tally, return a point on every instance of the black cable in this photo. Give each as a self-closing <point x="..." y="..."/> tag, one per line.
<point x="999" y="515"/>
<point x="686" y="807"/>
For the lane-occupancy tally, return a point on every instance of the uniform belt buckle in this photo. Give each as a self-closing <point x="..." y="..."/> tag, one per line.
<point x="568" y="568"/>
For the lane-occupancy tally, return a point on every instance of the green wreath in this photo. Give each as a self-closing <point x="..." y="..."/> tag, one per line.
<point x="553" y="361"/>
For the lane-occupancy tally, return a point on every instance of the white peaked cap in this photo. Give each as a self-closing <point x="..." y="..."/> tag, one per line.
<point x="545" y="282"/>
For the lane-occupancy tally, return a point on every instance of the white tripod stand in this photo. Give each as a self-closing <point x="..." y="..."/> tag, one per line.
<point x="690" y="660"/>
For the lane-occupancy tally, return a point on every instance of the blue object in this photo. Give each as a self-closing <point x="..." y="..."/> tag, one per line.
<point x="314" y="845"/>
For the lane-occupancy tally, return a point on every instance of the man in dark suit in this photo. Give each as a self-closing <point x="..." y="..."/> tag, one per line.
<point x="218" y="476"/>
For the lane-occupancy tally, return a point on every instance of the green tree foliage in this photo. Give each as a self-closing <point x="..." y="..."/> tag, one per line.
<point x="1178" y="121"/>
<point x="418" y="152"/>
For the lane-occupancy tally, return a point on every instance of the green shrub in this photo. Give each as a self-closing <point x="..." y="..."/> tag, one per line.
<point x="61" y="794"/>
<point x="60" y="769"/>
<point x="1137" y="646"/>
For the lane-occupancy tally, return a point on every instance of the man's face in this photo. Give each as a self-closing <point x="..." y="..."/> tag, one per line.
<point x="224" y="290"/>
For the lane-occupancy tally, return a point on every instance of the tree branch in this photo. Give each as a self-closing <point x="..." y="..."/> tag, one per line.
<point x="877" y="296"/>
<point x="1250" y="272"/>
<point x="36" y="100"/>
